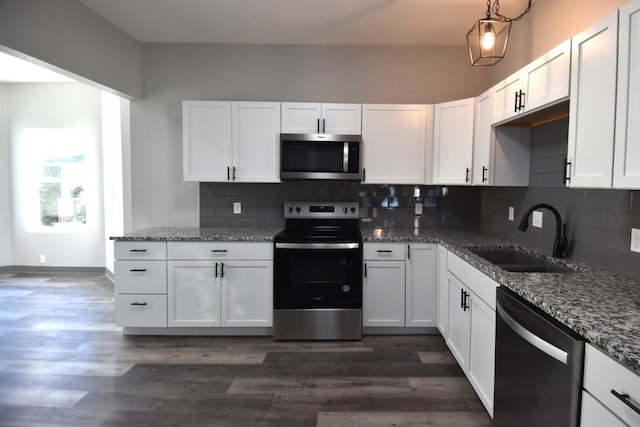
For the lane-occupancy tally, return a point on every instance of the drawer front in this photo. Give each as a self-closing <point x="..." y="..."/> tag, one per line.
<point x="141" y="250"/>
<point x="384" y="251"/>
<point x="140" y="277"/>
<point x="220" y="250"/>
<point x="141" y="311"/>
<point x="593" y="414"/>
<point x="478" y="282"/>
<point x="603" y="374"/>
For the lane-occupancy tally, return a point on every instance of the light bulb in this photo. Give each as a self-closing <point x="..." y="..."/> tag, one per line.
<point x="488" y="38"/>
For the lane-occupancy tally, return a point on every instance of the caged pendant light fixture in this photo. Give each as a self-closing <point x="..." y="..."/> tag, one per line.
<point x="488" y="38"/>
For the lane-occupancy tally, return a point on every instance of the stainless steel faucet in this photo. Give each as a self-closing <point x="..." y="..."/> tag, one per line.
<point x="560" y="242"/>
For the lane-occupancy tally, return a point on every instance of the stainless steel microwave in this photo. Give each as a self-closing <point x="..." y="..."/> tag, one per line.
<point x="320" y="156"/>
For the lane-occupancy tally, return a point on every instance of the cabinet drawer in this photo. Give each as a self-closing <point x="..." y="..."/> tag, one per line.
<point x="141" y="310"/>
<point x="603" y="374"/>
<point x="593" y="414"/>
<point x="478" y="282"/>
<point x="140" y="250"/>
<point x="384" y="251"/>
<point x="220" y="250"/>
<point x="140" y="277"/>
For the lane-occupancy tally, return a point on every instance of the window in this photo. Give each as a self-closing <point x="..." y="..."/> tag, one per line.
<point x="54" y="160"/>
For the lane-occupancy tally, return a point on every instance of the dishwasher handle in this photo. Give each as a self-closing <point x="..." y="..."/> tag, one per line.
<point x="542" y="345"/>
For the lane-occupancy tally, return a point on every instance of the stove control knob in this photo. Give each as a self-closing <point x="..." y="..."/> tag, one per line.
<point x="290" y="209"/>
<point x="353" y="210"/>
<point x="345" y="210"/>
<point x="298" y="209"/>
<point x="346" y="288"/>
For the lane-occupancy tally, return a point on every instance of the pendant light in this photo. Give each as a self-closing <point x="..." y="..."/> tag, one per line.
<point x="488" y="38"/>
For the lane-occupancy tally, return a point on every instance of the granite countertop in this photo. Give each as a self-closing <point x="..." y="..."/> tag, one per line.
<point x="195" y="234"/>
<point x="601" y="306"/>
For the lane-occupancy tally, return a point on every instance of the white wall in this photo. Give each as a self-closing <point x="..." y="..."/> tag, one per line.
<point x="175" y="72"/>
<point x="57" y="105"/>
<point x="71" y="37"/>
<point x="5" y="194"/>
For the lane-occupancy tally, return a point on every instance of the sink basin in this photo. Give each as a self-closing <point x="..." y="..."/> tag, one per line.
<point x="516" y="260"/>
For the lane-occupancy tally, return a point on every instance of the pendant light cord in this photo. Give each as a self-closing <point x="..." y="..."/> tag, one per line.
<point x="496" y="11"/>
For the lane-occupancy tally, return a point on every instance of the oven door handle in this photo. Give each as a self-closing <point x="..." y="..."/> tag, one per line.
<point x="353" y="245"/>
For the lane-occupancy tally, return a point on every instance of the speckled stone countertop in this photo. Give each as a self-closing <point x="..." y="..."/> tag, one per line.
<point x="194" y="234"/>
<point x="601" y="306"/>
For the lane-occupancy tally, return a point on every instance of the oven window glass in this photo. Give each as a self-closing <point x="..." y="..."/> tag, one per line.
<point x="315" y="270"/>
<point x="311" y="157"/>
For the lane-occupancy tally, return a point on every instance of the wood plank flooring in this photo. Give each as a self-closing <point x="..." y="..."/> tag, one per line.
<point x="64" y="363"/>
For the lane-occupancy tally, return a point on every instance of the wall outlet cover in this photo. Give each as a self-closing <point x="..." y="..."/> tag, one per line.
<point x="43" y="259"/>
<point x="511" y="213"/>
<point x="418" y="208"/>
<point x="635" y="239"/>
<point x="536" y="221"/>
<point x="237" y="208"/>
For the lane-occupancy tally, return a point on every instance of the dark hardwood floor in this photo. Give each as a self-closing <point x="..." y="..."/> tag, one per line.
<point x="64" y="363"/>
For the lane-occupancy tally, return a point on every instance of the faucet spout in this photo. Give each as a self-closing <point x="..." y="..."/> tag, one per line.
<point x="560" y="241"/>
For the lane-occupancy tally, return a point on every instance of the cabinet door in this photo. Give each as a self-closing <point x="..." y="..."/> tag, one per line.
<point x="482" y="351"/>
<point x="627" y="146"/>
<point x="247" y="293"/>
<point x="301" y="117"/>
<point x="421" y="285"/>
<point x="483" y="134"/>
<point x="459" y="322"/>
<point x="505" y="103"/>
<point x="256" y="141"/>
<point x="193" y="293"/>
<point x="341" y="119"/>
<point x="547" y="78"/>
<point x="592" y="109"/>
<point x="443" y="293"/>
<point x="383" y="293"/>
<point x="453" y="141"/>
<point x="394" y="139"/>
<point x="206" y="141"/>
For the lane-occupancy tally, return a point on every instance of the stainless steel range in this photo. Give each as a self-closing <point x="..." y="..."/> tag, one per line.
<point x="317" y="289"/>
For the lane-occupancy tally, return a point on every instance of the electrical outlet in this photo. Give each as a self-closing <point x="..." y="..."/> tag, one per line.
<point x="43" y="259"/>
<point x="237" y="208"/>
<point x="418" y="208"/>
<point x="511" y="213"/>
<point x="635" y="239"/>
<point x="536" y="221"/>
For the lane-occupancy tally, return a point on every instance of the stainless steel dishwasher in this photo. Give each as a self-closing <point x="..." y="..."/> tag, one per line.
<point x="538" y="367"/>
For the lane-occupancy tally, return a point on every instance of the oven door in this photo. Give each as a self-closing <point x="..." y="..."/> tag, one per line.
<point x="317" y="275"/>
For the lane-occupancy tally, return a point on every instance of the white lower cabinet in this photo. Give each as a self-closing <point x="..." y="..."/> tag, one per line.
<point x="399" y="285"/>
<point x="140" y="284"/>
<point x="421" y="285"/>
<point x="209" y="286"/>
<point x="471" y="325"/>
<point x="383" y="293"/>
<point x="602" y="377"/>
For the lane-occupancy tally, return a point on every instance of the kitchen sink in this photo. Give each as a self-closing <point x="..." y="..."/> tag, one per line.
<point x="516" y="260"/>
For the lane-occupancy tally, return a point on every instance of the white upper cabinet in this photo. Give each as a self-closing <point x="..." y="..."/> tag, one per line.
<point x="302" y="117"/>
<point x="231" y="141"/>
<point x="453" y="141"/>
<point x="543" y="82"/>
<point x="483" y="134"/>
<point x="206" y="140"/>
<point x="256" y="141"/>
<point x="626" y="172"/>
<point x="394" y="139"/>
<point x="593" y="103"/>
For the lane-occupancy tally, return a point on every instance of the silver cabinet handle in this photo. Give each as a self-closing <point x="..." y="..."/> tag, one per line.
<point x="545" y="347"/>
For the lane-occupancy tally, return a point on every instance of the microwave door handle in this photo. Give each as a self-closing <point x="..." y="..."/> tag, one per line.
<point x="345" y="158"/>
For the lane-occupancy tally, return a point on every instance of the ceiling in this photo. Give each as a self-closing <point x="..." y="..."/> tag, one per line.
<point x="309" y="22"/>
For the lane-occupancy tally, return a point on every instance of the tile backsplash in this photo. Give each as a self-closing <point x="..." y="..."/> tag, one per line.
<point x="599" y="221"/>
<point x="391" y="206"/>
